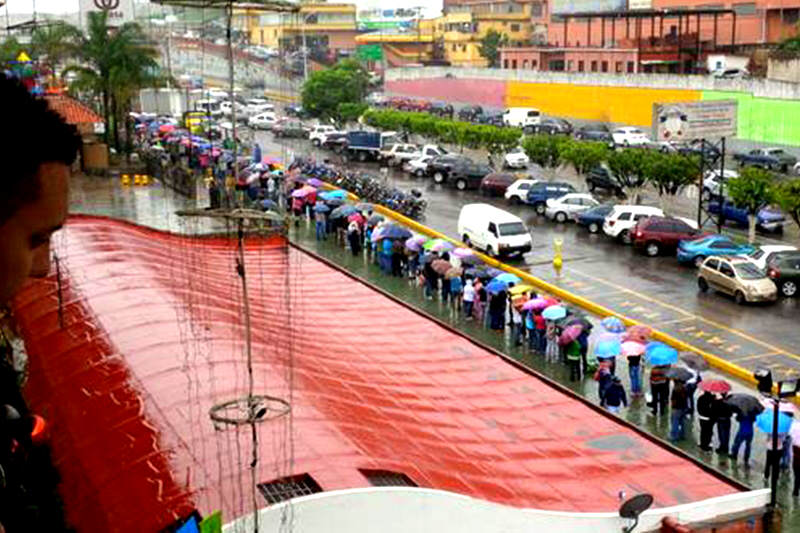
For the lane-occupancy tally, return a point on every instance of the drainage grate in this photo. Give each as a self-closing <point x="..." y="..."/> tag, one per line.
<point x="385" y="478"/>
<point x="287" y="488"/>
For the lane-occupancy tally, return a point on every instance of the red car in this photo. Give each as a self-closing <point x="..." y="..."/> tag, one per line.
<point x="653" y="235"/>
<point x="496" y="183"/>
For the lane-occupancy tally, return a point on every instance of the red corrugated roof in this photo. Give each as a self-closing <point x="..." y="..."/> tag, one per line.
<point x="152" y="340"/>
<point x="73" y="111"/>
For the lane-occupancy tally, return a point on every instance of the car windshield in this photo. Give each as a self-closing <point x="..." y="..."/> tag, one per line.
<point x="748" y="271"/>
<point x="701" y="241"/>
<point x="513" y="228"/>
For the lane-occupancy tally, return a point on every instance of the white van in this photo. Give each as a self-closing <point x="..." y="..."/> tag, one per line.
<point x="496" y="231"/>
<point x="623" y="218"/>
<point x="209" y="107"/>
<point x="522" y="116"/>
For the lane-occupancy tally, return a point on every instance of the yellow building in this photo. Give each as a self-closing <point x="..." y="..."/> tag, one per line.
<point x="326" y="26"/>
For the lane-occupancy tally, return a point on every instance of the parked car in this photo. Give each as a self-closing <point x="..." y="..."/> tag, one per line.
<point x="489" y="119"/>
<point x="784" y="271"/>
<point x="700" y="147"/>
<point x="550" y="126"/>
<point x="622" y="219"/>
<point x="714" y="183"/>
<point x="594" y="132"/>
<point x="439" y="167"/>
<point x="419" y="166"/>
<point x="517" y="192"/>
<point x="496" y="183"/>
<point x="763" y="255"/>
<point x="593" y="218"/>
<point x="468" y="113"/>
<point x="441" y="109"/>
<point x="768" y="219"/>
<point x="262" y="121"/>
<point x="336" y="141"/>
<point x="731" y="73"/>
<point x="519" y="117"/>
<point x="655" y="235"/>
<point x="468" y="175"/>
<point x="738" y="277"/>
<point x="600" y="177"/>
<point x="398" y="153"/>
<point x="696" y="251"/>
<point x="768" y="158"/>
<point x="516" y="158"/>
<point x="318" y="132"/>
<point x="542" y="191"/>
<point x="432" y="150"/>
<point x="629" y="136"/>
<point x="564" y="208"/>
<point x="295" y="110"/>
<point x="289" y="129"/>
<point x="493" y="230"/>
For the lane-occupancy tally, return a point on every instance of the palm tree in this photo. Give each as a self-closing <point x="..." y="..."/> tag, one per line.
<point x="54" y="43"/>
<point x="116" y="64"/>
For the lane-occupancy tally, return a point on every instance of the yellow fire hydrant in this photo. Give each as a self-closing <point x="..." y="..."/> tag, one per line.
<point x="125" y="180"/>
<point x="558" y="260"/>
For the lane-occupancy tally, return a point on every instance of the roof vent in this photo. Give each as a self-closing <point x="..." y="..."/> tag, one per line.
<point x="286" y="488"/>
<point x="386" y="478"/>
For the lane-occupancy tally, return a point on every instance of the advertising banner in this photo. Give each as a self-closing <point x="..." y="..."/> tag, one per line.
<point x="685" y="121"/>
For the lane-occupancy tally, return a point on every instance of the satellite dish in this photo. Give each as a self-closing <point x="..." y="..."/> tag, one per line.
<point x="634" y="507"/>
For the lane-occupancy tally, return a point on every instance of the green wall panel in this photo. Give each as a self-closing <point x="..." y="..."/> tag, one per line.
<point x="763" y="119"/>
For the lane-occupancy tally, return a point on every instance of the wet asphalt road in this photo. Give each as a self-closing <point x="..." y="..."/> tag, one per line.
<point x="657" y="291"/>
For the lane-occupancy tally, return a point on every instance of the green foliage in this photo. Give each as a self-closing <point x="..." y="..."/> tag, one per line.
<point x="350" y="111"/>
<point x="344" y="83"/>
<point x="544" y="150"/>
<point x="583" y="156"/>
<point x="54" y="43"/>
<point x="670" y="173"/>
<point x="462" y="134"/>
<point x="490" y="47"/>
<point x="752" y="190"/>
<point x="9" y="50"/>
<point x="787" y="196"/>
<point x="629" y="168"/>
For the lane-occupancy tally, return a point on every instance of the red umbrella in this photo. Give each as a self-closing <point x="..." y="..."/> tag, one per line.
<point x="715" y="385"/>
<point x="570" y="333"/>
<point x="357" y="218"/>
<point x="441" y="266"/>
<point x="638" y="333"/>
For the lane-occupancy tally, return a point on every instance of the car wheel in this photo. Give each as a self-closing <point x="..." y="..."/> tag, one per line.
<point x="514" y="200"/>
<point x="625" y="237"/>
<point x="489" y="251"/>
<point x="652" y="249"/>
<point x="591" y="186"/>
<point x="419" y="173"/>
<point x="540" y="208"/>
<point x="594" y="227"/>
<point x="561" y="217"/>
<point x="362" y="156"/>
<point x="702" y="284"/>
<point x="315" y="142"/>
<point x="438" y="177"/>
<point x="461" y="185"/>
<point x="789" y="288"/>
<point x="698" y="261"/>
<point x="739" y="298"/>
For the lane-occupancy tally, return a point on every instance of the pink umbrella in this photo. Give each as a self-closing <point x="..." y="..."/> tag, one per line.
<point x="462" y="252"/>
<point x="632" y="348"/>
<point x="315" y="182"/>
<point x="166" y="128"/>
<point x="299" y="193"/>
<point x="536" y="304"/>
<point x="357" y="218"/>
<point x="783" y="407"/>
<point x="570" y="333"/>
<point x="638" y="333"/>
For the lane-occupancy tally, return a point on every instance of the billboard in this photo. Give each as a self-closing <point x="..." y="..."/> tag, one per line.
<point x="685" y="121"/>
<point x="119" y="11"/>
<point x="561" y="7"/>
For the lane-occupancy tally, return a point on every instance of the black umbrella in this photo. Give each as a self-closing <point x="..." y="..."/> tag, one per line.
<point x="746" y="404"/>
<point x="374" y="220"/>
<point x="695" y="361"/>
<point x="580" y="319"/>
<point x="678" y="373"/>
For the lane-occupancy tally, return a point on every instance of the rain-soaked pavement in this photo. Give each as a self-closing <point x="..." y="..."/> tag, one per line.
<point x="154" y="206"/>
<point x="657" y="291"/>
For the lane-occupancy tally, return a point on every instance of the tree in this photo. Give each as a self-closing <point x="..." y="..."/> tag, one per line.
<point x="752" y="190"/>
<point x="544" y="150"/>
<point x="490" y="47"/>
<point x="9" y="50"/>
<point x="344" y="83"/>
<point x="350" y="112"/>
<point x="670" y="174"/>
<point x="787" y="196"/>
<point x="54" y="43"/>
<point x="628" y="168"/>
<point x="583" y="156"/>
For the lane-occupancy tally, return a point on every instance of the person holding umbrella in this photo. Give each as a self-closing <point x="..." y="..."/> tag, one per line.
<point x="679" y="403"/>
<point x="707" y="417"/>
<point x="794" y="434"/>
<point x="722" y="412"/>
<point x="633" y="351"/>
<point x="746" y="408"/>
<point x="614" y="395"/>
<point x="572" y="351"/>
<point x="354" y="237"/>
<point x="764" y="422"/>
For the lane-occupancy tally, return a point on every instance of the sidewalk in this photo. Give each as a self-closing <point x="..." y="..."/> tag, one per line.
<point x="637" y="413"/>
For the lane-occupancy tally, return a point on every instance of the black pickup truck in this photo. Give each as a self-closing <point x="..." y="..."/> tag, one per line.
<point x="768" y="158"/>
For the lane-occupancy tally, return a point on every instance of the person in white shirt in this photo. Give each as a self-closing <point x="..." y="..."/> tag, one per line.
<point x="469" y="299"/>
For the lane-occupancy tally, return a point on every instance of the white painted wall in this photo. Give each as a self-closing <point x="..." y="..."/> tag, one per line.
<point x="406" y="510"/>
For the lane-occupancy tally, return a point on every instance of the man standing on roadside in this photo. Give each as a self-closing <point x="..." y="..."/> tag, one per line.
<point x="37" y="150"/>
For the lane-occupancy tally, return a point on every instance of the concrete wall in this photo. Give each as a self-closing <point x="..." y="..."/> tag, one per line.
<point x="401" y="510"/>
<point x="784" y="70"/>
<point x="768" y="109"/>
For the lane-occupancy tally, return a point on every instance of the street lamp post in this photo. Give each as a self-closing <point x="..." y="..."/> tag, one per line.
<point x="305" y="44"/>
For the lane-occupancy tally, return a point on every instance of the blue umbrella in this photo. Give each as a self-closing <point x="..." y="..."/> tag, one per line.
<point x="393" y="231"/>
<point x="268" y="204"/>
<point x="613" y="324"/>
<point x="554" y="312"/>
<point x="607" y="348"/>
<point x="493" y="272"/>
<point x="256" y="153"/>
<point x="507" y="278"/>
<point x="658" y="354"/>
<point x="321" y="208"/>
<point x="331" y="195"/>
<point x="495" y="286"/>
<point x="343" y="211"/>
<point x="765" y="421"/>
